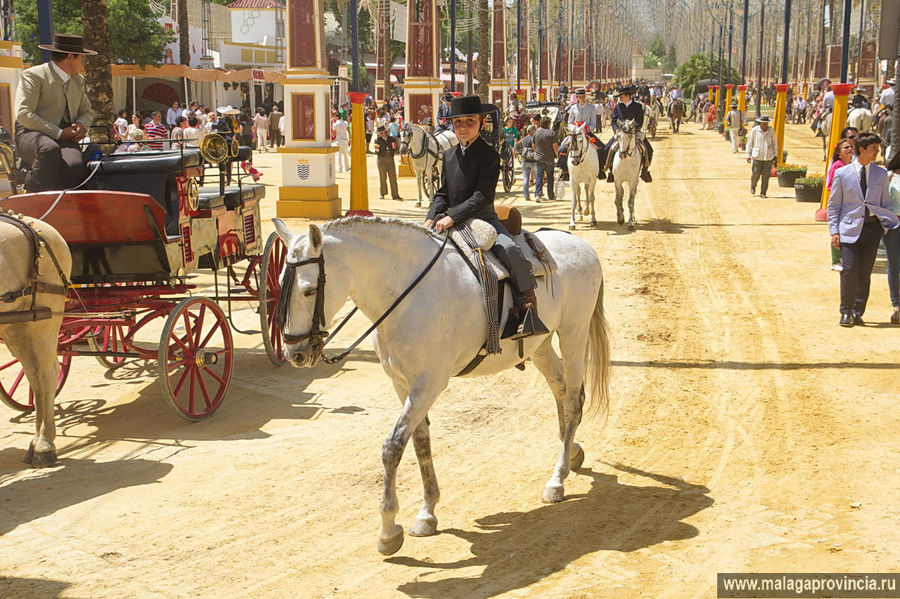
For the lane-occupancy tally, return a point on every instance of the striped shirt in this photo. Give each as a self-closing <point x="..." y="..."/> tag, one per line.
<point x="156" y="131"/>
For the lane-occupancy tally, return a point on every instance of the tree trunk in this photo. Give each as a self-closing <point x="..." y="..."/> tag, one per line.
<point x="386" y="62"/>
<point x="184" y="39"/>
<point x="484" y="50"/>
<point x="98" y="78"/>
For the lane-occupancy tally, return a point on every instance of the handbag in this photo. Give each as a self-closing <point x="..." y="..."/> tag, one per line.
<point x="742" y="131"/>
<point x="528" y="155"/>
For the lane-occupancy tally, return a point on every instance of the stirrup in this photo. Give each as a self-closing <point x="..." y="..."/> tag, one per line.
<point x="530" y="325"/>
<point x="512" y="324"/>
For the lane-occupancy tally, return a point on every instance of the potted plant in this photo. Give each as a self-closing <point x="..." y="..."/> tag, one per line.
<point x="789" y="173"/>
<point x="809" y="189"/>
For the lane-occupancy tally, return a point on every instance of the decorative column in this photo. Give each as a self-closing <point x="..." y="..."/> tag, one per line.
<point x="359" y="180"/>
<point x="728" y="88"/>
<point x="524" y="62"/>
<point x="423" y="87"/>
<point x="382" y="45"/>
<point x="838" y="122"/>
<point x="742" y="99"/>
<point x="499" y="85"/>
<point x="10" y="74"/>
<point x="712" y="93"/>
<point x="780" y="107"/>
<point x="308" y="186"/>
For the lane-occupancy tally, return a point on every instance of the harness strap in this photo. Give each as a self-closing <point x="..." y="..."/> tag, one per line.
<point x="34" y="286"/>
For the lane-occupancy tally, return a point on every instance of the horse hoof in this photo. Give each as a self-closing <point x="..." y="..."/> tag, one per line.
<point x="620" y="220"/>
<point x="43" y="459"/>
<point x="553" y="494"/>
<point x="419" y="204"/>
<point x="577" y="457"/>
<point x="423" y="527"/>
<point x="29" y="455"/>
<point x="593" y="222"/>
<point x="393" y="543"/>
<point x="571" y="226"/>
<point x="631" y="226"/>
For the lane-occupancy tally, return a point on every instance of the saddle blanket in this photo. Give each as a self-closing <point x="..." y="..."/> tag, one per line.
<point x="542" y="262"/>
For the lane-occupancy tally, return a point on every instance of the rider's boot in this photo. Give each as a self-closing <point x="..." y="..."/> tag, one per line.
<point x="530" y="324"/>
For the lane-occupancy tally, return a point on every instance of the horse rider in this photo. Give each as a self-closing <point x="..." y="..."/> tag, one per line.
<point x="443" y="115"/>
<point x="675" y="94"/>
<point x="887" y="95"/>
<point x="468" y="185"/>
<point x="514" y="102"/>
<point x="53" y="114"/>
<point x="859" y="99"/>
<point x="626" y="109"/>
<point x="583" y="111"/>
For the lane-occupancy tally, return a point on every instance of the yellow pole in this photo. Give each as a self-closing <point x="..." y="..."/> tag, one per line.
<point x="742" y="99"/>
<point x="838" y="122"/>
<point x="359" y="188"/>
<point x="780" y="104"/>
<point x="718" y="98"/>
<point x="728" y="87"/>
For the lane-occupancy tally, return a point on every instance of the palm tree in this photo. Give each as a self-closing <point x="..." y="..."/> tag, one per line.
<point x="95" y="19"/>
<point x="484" y="49"/>
<point x="184" y="42"/>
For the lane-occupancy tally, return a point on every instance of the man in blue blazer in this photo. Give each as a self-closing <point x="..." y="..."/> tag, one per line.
<point x="859" y="212"/>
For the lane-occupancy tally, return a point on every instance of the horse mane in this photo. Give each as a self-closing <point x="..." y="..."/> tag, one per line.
<point x="349" y="222"/>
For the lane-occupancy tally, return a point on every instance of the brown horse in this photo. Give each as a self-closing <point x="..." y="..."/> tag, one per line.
<point x="676" y="114"/>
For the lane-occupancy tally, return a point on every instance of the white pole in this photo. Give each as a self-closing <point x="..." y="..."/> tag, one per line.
<point x="134" y="95"/>
<point x="187" y="100"/>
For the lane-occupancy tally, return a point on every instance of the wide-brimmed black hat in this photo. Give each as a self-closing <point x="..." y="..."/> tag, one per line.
<point x="580" y="91"/>
<point x="625" y="89"/>
<point x="448" y="97"/>
<point x="763" y="119"/>
<point x="467" y="106"/>
<point x="67" y="44"/>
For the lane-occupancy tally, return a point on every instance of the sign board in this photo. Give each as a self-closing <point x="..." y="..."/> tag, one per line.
<point x="258" y="75"/>
<point x="889" y="32"/>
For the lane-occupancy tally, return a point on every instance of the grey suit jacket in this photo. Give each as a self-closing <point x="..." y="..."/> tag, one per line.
<point x="41" y="100"/>
<point x="847" y="207"/>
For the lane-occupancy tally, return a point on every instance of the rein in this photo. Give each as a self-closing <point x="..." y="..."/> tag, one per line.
<point x="317" y="335"/>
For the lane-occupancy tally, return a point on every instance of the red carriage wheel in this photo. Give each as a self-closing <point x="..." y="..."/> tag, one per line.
<point x="196" y="358"/>
<point x="269" y="289"/>
<point x="110" y="339"/>
<point x="15" y="390"/>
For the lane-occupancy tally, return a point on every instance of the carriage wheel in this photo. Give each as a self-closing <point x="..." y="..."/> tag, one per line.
<point x="196" y="358"/>
<point x="15" y="390"/>
<point x="429" y="182"/>
<point x="110" y="339"/>
<point x="269" y="289"/>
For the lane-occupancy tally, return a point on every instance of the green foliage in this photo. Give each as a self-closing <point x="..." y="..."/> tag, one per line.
<point x="135" y="36"/>
<point x="791" y="168"/>
<point x="669" y="61"/>
<point x="696" y="69"/>
<point x="810" y="182"/>
<point x="656" y="47"/>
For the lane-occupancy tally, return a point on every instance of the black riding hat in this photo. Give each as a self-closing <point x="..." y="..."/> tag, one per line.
<point x="625" y="89"/>
<point x="67" y="44"/>
<point x="448" y="97"/>
<point x="467" y="106"/>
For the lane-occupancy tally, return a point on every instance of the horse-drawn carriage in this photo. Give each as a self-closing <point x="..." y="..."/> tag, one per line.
<point x="138" y="230"/>
<point x="491" y="133"/>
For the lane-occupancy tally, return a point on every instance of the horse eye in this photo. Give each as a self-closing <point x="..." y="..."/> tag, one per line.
<point x="310" y="291"/>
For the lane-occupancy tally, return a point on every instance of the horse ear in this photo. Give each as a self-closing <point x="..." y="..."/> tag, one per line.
<point x="282" y="231"/>
<point x="315" y="238"/>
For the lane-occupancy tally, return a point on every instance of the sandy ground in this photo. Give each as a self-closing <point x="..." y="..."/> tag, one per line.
<point x="747" y="432"/>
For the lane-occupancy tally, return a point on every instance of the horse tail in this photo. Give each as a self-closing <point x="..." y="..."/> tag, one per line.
<point x="597" y="361"/>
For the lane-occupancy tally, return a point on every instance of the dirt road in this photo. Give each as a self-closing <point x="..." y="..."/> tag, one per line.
<point x="747" y="432"/>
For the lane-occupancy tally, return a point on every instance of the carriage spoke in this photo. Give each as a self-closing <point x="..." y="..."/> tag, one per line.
<point x="15" y="385"/>
<point x="177" y="388"/>
<point x="214" y="375"/>
<point x="203" y="388"/>
<point x="212" y="332"/>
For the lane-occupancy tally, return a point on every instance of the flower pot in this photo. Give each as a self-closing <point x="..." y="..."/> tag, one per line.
<point x="805" y="193"/>
<point x="787" y="178"/>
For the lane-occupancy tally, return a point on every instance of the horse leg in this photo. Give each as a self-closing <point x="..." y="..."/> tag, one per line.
<point x="569" y="414"/>
<point x="415" y="407"/>
<point x="420" y="183"/>
<point x="590" y="201"/>
<point x="549" y="365"/>
<point x="620" y="194"/>
<point x="35" y="345"/>
<point x="632" y="191"/>
<point x="576" y="205"/>
<point x="425" y="523"/>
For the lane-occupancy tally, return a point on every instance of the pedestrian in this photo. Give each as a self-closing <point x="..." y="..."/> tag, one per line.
<point x="510" y="134"/>
<point x="245" y="126"/>
<point x="735" y="121"/>
<point x="468" y="186"/>
<point x="545" y="151"/>
<point x="341" y="130"/>
<point x="155" y="129"/>
<point x="370" y="128"/>
<point x="761" y="148"/>
<point x="843" y="155"/>
<point x="526" y="150"/>
<point x="261" y="126"/>
<point x="385" y="148"/>
<point x="393" y="127"/>
<point x="892" y="239"/>
<point x="135" y="125"/>
<point x="177" y="133"/>
<point x="860" y="212"/>
<point x="275" y="127"/>
<point x="120" y="126"/>
<point x="172" y="114"/>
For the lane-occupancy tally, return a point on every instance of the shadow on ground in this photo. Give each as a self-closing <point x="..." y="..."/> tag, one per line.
<point x="518" y="549"/>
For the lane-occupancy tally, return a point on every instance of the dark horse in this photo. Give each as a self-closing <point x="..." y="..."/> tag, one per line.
<point x="676" y="114"/>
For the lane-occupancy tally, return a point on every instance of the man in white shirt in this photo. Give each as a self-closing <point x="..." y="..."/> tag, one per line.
<point x="342" y="138"/>
<point x="761" y="148"/>
<point x="172" y="115"/>
<point x="734" y="120"/>
<point x="887" y="95"/>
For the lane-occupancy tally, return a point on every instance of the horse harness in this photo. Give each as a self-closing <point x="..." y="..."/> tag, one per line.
<point x="317" y="335"/>
<point x="33" y="286"/>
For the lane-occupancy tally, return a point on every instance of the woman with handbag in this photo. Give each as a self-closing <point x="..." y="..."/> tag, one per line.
<point x="529" y="162"/>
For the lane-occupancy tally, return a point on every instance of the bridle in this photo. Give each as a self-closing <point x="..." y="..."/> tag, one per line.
<point x="629" y="131"/>
<point x="317" y="335"/>
<point x="576" y="144"/>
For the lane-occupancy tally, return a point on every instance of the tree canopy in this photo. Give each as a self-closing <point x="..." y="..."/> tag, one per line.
<point x="135" y="36"/>
<point x="697" y="68"/>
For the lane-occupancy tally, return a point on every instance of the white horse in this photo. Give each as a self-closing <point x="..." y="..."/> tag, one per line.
<point x="584" y="166"/>
<point x="626" y="168"/>
<point x="438" y="329"/>
<point x="861" y="118"/>
<point x="825" y="131"/>
<point x="426" y="150"/>
<point x="33" y="342"/>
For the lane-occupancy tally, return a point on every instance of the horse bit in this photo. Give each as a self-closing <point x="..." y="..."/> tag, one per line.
<point x="317" y="335"/>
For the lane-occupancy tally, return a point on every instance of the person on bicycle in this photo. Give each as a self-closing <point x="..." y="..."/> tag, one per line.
<point x="53" y="114"/>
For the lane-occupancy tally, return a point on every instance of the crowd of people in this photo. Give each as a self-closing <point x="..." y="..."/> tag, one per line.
<point x="185" y="126"/>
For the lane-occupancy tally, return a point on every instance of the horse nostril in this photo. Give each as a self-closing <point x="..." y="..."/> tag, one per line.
<point x="298" y="357"/>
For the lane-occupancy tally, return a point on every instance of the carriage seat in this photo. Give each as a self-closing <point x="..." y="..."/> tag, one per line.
<point x="233" y="197"/>
<point x="166" y="161"/>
